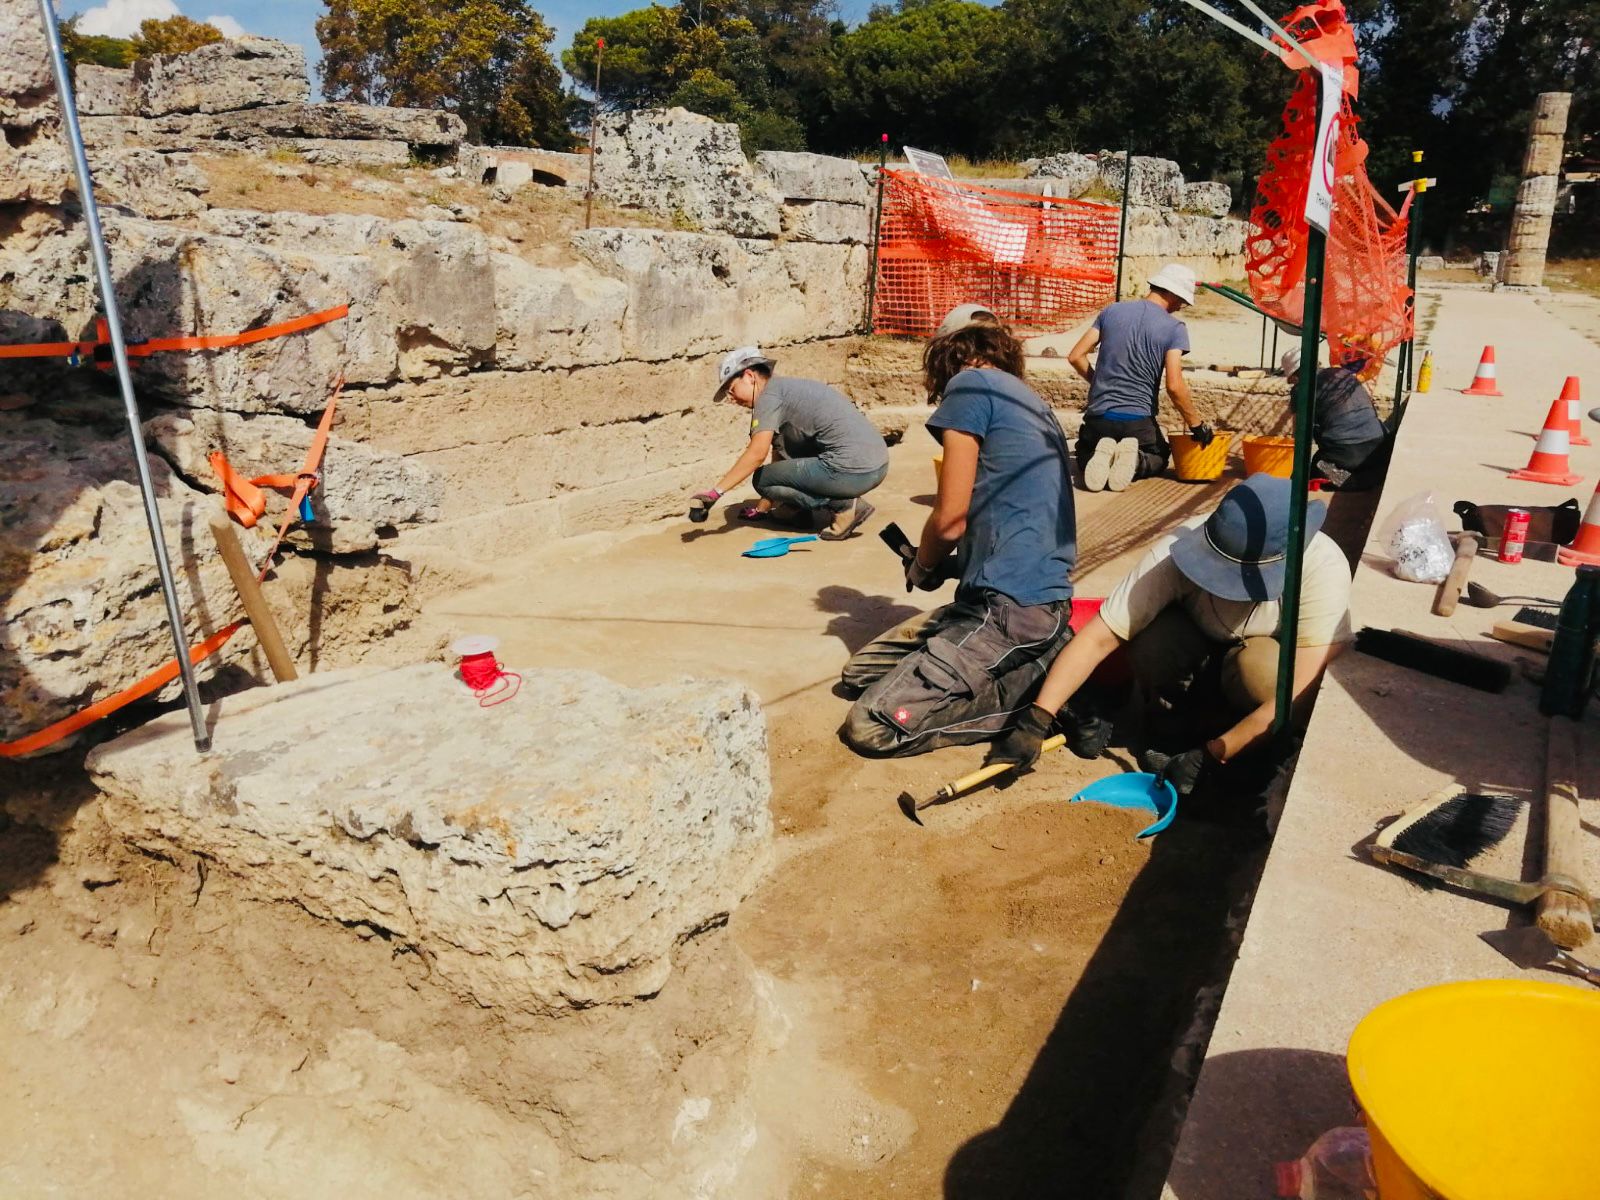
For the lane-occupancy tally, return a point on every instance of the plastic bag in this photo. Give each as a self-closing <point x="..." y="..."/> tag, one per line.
<point x="1415" y="537"/>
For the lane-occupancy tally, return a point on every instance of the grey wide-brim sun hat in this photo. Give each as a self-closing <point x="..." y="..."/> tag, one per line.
<point x="1241" y="552"/>
<point x="734" y="364"/>
<point x="963" y="315"/>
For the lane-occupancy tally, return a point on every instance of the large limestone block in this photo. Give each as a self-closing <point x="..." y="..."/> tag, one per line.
<point x="1207" y="199"/>
<point x="40" y="173"/>
<point x="149" y="184"/>
<point x="1159" y="233"/>
<point x="675" y="163"/>
<point x="81" y="612"/>
<point x="698" y="294"/>
<point x="361" y="490"/>
<point x="344" y="122"/>
<point x="104" y="91"/>
<point x="1156" y="182"/>
<point x="236" y="73"/>
<point x="544" y="854"/>
<point x="27" y="88"/>
<point x="1078" y="172"/>
<point x="335" y="152"/>
<point x="798" y="176"/>
<point x="556" y="317"/>
<point x="825" y="221"/>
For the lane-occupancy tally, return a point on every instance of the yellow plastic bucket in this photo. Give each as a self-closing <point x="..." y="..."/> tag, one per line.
<point x="1486" y="1090"/>
<point x="1195" y="463"/>
<point x="1269" y="456"/>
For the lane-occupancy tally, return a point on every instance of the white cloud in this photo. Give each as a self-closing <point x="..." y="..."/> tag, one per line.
<point x="229" y="27"/>
<point x="120" y="18"/>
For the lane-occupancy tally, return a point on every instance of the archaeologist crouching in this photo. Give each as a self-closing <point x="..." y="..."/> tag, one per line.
<point x="825" y="454"/>
<point x="1140" y="344"/>
<point x="1199" y="618"/>
<point x="1350" y="436"/>
<point x="1004" y="527"/>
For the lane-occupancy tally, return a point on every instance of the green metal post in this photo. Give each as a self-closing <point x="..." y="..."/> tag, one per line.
<point x="1263" y="361"/>
<point x="877" y="231"/>
<point x="1305" y="407"/>
<point x="1122" y="232"/>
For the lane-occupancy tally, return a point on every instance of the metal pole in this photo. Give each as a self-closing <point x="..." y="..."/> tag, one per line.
<point x="1122" y="232"/>
<point x="877" y="233"/>
<point x="1263" y="361"/>
<point x="1305" y="407"/>
<point x="1413" y="248"/>
<point x="594" y="128"/>
<point x="119" y="355"/>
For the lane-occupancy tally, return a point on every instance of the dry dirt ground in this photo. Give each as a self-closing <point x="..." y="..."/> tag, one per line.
<point x="986" y="1007"/>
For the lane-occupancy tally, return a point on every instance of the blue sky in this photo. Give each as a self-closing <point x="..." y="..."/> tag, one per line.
<point x="293" y="20"/>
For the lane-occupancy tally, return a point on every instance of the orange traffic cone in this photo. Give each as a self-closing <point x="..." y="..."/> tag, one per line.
<point x="1483" y="383"/>
<point x="1569" y="393"/>
<point x="1585" y="547"/>
<point x="1549" y="461"/>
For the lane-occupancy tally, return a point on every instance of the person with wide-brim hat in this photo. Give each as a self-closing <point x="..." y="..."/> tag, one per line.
<point x="825" y="454"/>
<point x="1201" y="614"/>
<point x="1138" y="345"/>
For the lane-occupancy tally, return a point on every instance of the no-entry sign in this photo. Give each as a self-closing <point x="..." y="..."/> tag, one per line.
<point x="1319" y="189"/>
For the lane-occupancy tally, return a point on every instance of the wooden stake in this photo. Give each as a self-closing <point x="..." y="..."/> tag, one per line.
<point x="255" y="604"/>
<point x="1565" y="916"/>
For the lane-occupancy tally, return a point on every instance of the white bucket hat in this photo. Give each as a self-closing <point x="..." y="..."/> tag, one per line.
<point x="962" y="315"/>
<point x="1290" y="362"/>
<point x="735" y="363"/>
<point x="1177" y="279"/>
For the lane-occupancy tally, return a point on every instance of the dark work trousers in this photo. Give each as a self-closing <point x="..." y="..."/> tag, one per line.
<point x="811" y="483"/>
<point x="1356" y="466"/>
<point x="962" y="673"/>
<point x="1154" y="450"/>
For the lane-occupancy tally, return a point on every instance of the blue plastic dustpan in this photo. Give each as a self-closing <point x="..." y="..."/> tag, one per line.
<point x="776" y="547"/>
<point x="1135" y="789"/>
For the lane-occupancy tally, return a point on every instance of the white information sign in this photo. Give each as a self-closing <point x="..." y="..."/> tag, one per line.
<point x="1319" y="191"/>
<point x="925" y="162"/>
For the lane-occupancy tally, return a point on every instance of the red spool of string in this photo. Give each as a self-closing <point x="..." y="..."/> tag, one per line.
<point x="481" y="671"/>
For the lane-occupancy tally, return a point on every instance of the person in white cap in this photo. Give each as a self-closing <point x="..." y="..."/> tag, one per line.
<point x="1350" y="435"/>
<point x="1004" y="528"/>
<point x="1139" y="343"/>
<point x="826" y="455"/>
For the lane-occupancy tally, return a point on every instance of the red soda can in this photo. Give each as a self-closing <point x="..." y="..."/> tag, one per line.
<point x="1515" y="535"/>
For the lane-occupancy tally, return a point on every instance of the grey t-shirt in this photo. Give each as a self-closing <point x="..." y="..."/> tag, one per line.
<point x="812" y="420"/>
<point x="1345" y="416"/>
<point x="1135" y="336"/>
<point x="1022" y="526"/>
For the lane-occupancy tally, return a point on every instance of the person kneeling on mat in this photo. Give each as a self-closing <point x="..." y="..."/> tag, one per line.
<point x="1345" y="422"/>
<point x="964" y="672"/>
<point x="1201" y="612"/>
<point x="826" y="455"/>
<point x="1139" y="343"/>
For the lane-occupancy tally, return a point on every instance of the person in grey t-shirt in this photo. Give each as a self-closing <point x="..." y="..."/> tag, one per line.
<point x="825" y="454"/>
<point x="1351" y="437"/>
<point x="1140" y="342"/>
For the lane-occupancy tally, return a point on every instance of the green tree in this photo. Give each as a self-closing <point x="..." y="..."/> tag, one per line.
<point x="97" y="49"/>
<point x="174" y="35"/>
<point x="485" y="60"/>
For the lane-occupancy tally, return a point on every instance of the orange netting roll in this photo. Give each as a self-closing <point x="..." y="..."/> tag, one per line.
<point x="1366" y="303"/>
<point x="1036" y="261"/>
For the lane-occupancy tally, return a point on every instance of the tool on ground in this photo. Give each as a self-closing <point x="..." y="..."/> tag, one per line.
<point x="911" y="806"/>
<point x="777" y="547"/>
<point x="1530" y="948"/>
<point x="1449" y="594"/>
<point x="1479" y="596"/>
<point x="1442" y="662"/>
<point x="1550" y="461"/>
<point x="1444" y="835"/>
<point x="1136" y="790"/>
<point x="1483" y="379"/>
<point x="481" y="671"/>
<point x="1531" y="628"/>
<point x="255" y="604"/>
<point x="1584" y="545"/>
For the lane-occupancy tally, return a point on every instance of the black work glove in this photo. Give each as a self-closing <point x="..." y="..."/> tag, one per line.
<point x="1202" y="433"/>
<point x="919" y="576"/>
<point x="1182" y="771"/>
<point x="1021" y="743"/>
<point x="1088" y="735"/>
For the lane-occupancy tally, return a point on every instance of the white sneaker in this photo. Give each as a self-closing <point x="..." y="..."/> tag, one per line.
<point x="1124" y="462"/>
<point x="1098" y="468"/>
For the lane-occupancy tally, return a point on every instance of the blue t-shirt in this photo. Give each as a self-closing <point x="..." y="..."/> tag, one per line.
<point x="1022" y="529"/>
<point x="1135" y="336"/>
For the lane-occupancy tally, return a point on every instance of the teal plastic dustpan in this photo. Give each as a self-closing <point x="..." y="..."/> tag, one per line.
<point x="776" y="547"/>
<point x="1138" y="790"/>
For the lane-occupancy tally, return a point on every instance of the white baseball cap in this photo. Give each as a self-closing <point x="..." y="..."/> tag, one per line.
<point x="735" y="363"/>
<point x="961" y="316"/>
<point x="1290" y="362"/>
<point x="1177" y="279"/>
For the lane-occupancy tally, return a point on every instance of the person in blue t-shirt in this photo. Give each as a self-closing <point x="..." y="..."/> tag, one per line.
<point x="1140" y="343"/>
<point x="1003" y="525"/>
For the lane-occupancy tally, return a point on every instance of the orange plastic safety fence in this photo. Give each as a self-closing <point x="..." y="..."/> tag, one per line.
<point x="1366" y="303"/>
<point x="1037" y="262"/>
